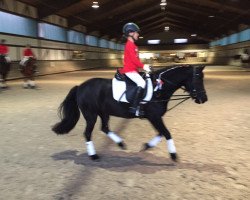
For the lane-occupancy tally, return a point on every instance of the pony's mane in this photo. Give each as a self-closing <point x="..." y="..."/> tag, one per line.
<point x="167" y="69"/>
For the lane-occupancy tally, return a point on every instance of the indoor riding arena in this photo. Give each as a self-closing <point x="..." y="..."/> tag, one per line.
<point x="74" y="41"/>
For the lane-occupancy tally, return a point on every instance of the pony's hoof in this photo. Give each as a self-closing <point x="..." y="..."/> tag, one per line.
<point x="174" y="157"/>
<point x="94" y="157"/>
<point x="145" y="147"/>
<point x="122" y="145"/>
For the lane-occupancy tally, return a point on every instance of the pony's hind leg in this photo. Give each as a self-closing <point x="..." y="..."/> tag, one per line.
<point x="32" y="82"/>
<point x="90" y="120"/>
<point x="113" y="136"/>
<point x="3" y="81"/>
<point x="25" y="83"/>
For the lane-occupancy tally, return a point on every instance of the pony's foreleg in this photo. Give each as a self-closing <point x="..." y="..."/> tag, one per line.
<point x="161" y="128"/>
<point x="31" y="81"/>
<point x="112" y="135"/>
<point x="152" y="143"/>
<point x="25" y="83"/>
<point x="91" y="120"/>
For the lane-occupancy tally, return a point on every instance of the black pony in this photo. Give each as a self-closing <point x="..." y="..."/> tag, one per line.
<point x="28" y="71"/>
<point x="4" y="70"/>
<point x="94" y="98"/>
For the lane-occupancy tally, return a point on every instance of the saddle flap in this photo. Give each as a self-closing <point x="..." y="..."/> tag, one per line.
<point x="124" y="91"/>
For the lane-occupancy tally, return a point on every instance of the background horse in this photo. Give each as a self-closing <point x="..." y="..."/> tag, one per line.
<point x="28" y="71"/>
<point x="4" y="70"/>
<point x="94" y="98"/>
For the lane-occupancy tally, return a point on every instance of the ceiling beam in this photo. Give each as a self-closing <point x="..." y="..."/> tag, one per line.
<point x="52" y="7"/>
<point x="213" y="5"/>
<point x="154" y="28"/>
<point x="106" y="10"/>
<point x="76" y="8"/>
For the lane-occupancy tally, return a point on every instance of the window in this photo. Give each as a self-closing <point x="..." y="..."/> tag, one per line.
<point x="14" y="24"/>
<point x="91" y="40"/>
<point x="75" y="37"/>
<point x="52" y="32"/>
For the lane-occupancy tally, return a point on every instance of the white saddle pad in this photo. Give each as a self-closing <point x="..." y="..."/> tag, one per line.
<point x="119" y="88"/>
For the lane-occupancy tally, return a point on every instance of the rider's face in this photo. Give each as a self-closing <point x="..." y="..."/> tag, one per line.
<point x="135" y="35"/>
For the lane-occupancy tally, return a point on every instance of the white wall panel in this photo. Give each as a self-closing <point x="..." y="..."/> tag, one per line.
<point x="26" y="10"/>
<point x="8" y="5"/>
<point x="55" y="19"/>
<point x="51" y="44"/>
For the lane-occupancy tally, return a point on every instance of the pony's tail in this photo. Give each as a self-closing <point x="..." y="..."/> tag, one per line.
<point x="68" y="112"/>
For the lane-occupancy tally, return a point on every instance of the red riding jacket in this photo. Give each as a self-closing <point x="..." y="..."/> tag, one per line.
<point x="131" y="58"/>
<point x="4" y="49"/>
<point x="28" y="52"/>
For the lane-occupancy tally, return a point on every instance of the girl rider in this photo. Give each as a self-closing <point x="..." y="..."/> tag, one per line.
<point x="131" y="64"/>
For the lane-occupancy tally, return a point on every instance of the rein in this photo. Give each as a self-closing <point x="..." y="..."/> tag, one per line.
<point x="180" y="97"/>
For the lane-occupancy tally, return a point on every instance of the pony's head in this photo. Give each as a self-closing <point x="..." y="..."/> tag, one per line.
<point x="189" y="78"/>
<point x="194" y="85"/>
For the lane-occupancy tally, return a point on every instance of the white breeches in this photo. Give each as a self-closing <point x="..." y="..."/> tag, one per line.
<point x="244" y="56"/>
<point x="25" y="58"/>
<point x="135" y="77"/>
<point x="7" y="58"/>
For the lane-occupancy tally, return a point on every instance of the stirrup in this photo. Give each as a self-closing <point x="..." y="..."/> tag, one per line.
<point x="138" y="112"/>
<point x="132" y="110"/>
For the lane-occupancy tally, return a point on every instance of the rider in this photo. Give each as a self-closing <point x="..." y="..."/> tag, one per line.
<point x="27" y="53"/>
<point x="132" y="63"/>
<point x="4" y="50"/>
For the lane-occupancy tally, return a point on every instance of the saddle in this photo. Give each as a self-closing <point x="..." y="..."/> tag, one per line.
<point x="124" y="89"/>
<point x="28" y="67"/>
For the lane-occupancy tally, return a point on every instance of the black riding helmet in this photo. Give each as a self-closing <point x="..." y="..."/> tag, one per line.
<point x="129" y="28"/>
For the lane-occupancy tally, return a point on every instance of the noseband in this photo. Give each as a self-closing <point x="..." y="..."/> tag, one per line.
<point x="193" y="91"/>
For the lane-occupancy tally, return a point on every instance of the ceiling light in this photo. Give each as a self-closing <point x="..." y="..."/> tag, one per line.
<point x="95" y="4"/>
<point x="166" y="28"/>
<point x="194" y="35"/>
<point x="140" y="37"/>
<point x="180" y="40"/>
<point x="211" y="16"/>
<point x="163" y="3"/>
<point x="153" y="41"/>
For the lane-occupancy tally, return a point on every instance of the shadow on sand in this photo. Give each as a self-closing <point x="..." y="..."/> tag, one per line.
<point x="141" y="162"/>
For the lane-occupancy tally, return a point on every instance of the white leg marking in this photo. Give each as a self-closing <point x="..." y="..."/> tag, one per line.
<point x="90" y="148"/>
<point x="114" y="137"/>
<point x="31" y="83"/>
<point x="171" y="146"/>
<point x="154" y="141"/>
<point x="25" y="84"/>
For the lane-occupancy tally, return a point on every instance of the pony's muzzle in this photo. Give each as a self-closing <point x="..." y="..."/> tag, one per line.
<point x="201" y="100"/>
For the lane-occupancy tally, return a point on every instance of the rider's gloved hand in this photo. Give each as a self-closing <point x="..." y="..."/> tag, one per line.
<point x="147" y="68"/>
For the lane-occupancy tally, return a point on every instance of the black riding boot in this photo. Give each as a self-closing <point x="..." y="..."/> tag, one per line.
<point x="135" y="109"/>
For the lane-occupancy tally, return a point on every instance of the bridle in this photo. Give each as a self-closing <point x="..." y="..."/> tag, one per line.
<point x="193" y="86"/>
<point x="191" y="94"/>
